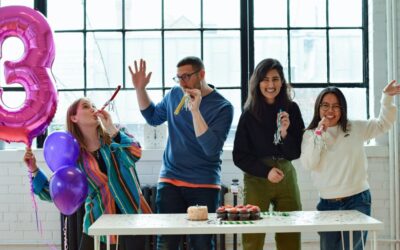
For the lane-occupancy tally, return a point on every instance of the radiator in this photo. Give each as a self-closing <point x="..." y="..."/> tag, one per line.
<point x="74" y="229"/>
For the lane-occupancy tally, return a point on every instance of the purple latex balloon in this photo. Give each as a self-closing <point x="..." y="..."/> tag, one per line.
<point x="32" y="71"/>
<point x="68" y="189"/>
<point x="60" y="148"/>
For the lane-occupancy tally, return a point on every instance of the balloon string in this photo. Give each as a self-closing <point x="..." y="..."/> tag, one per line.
<point x="35" y="207"/>
<point x="39" y="226"/>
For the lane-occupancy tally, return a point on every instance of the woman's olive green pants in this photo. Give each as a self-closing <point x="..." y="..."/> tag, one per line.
<point x="284" y="196"/>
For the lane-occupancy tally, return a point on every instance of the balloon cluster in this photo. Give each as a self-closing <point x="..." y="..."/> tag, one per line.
<point x="68" y="185"/>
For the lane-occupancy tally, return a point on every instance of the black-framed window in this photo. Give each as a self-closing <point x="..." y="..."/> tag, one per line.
<point x="320" y="43"/>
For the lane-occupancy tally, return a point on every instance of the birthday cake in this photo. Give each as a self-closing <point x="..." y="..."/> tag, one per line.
<point x="197" y="213"/>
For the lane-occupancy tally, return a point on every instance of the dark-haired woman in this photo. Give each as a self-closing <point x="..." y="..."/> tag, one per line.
<point x="267" y="138"/>
<point x="333" y="149"/>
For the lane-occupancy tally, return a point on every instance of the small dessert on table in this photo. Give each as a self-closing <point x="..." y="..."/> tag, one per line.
<point x="244" y="214"/>
<point x="228" y="206"/>
<point x="233" y="214"/>
<point x="197" y="213"/>
<point x="221" y="213"/>
<point x="248" y="206"/>
<point x="254" y="213"/>
<point x="239" y="212"/>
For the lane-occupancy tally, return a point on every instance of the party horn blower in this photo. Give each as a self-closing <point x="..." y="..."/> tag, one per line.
<point x="318" y="131"/>
<point x="112" y="98"/>
<point x="180" y="105"/>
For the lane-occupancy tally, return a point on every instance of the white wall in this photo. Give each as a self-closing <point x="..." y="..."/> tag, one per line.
<point x="17" y="217"/>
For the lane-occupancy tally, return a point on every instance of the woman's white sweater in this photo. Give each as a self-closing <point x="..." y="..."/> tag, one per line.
<point x="337" y="159"/>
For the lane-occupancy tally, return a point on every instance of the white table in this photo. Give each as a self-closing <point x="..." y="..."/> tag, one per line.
<point x="304" y="221"/>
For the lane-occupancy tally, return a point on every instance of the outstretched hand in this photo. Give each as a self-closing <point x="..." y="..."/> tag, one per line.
<point x="392" y="88"/>
<point x="30" y="160"/>
<point x="139" y="77"/>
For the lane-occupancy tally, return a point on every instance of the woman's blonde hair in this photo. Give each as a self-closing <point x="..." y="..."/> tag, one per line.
<point x="73" y="128"/>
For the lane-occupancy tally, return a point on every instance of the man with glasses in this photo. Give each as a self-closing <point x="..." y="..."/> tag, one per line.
<point x="191" y="170"/>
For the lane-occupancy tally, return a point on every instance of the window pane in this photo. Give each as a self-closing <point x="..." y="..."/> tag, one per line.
<point x="234" y="96"/>
<point x="305" y="98"/>
<point x="141" y="14"/>
<point x="68" y="63"/>
<point x="356" y="107"/>
<point x="345" y="13"/>
<point x="346" y="58"/>
<point x="65" y="15"/>
<point x="145" y="45"/>
<point x="125" y="109"/>
<point x="133" y="119"/>
<point x="65" y="99"/>
<point x="28" y="3"/>
<point x="104" y="59"/>
<point x="270" y="13"/>
<point x="182" y="14"/>
<point x="271" y="44"/>
<point x="308" y="54"/>
<point x="12" y="100"/>
<point x="221" y="57"/>
<point x="103" y="14"/>
<point x="179" y="44"/>
<point x="307" y="13"/>
<point x="12" y="50"/>
<point x="212" y="17"/>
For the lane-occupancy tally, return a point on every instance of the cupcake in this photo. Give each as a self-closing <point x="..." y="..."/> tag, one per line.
<point x="254" y="213"/>
<point x="221" y="213"/>
<point x="244" y="214"/>
<point x="228" y="206"/>
<point x="248" y="206"/>
<point x="233" y="214"/>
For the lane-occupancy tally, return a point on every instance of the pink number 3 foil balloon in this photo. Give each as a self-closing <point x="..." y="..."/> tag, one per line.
<point x="32" y="71"/>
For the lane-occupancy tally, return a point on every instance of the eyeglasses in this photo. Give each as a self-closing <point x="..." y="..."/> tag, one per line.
<point x="184" y="77"/>
<point x="326" y="107"/>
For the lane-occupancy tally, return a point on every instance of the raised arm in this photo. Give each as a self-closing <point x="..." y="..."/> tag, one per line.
<point x="387" y="114"/>
<point x="392" y="88"/>
<point x="140" y="81"/>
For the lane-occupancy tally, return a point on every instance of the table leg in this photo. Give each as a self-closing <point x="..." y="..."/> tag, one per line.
<point x="108" y="242"/>
<point x="351" y="240"/>
<point x="374" y="239"/>
<point x="96" y="242"/>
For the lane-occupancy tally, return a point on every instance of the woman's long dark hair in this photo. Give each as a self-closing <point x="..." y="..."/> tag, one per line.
<point x="342" y="102"/>
<point x="255" y="99"/>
